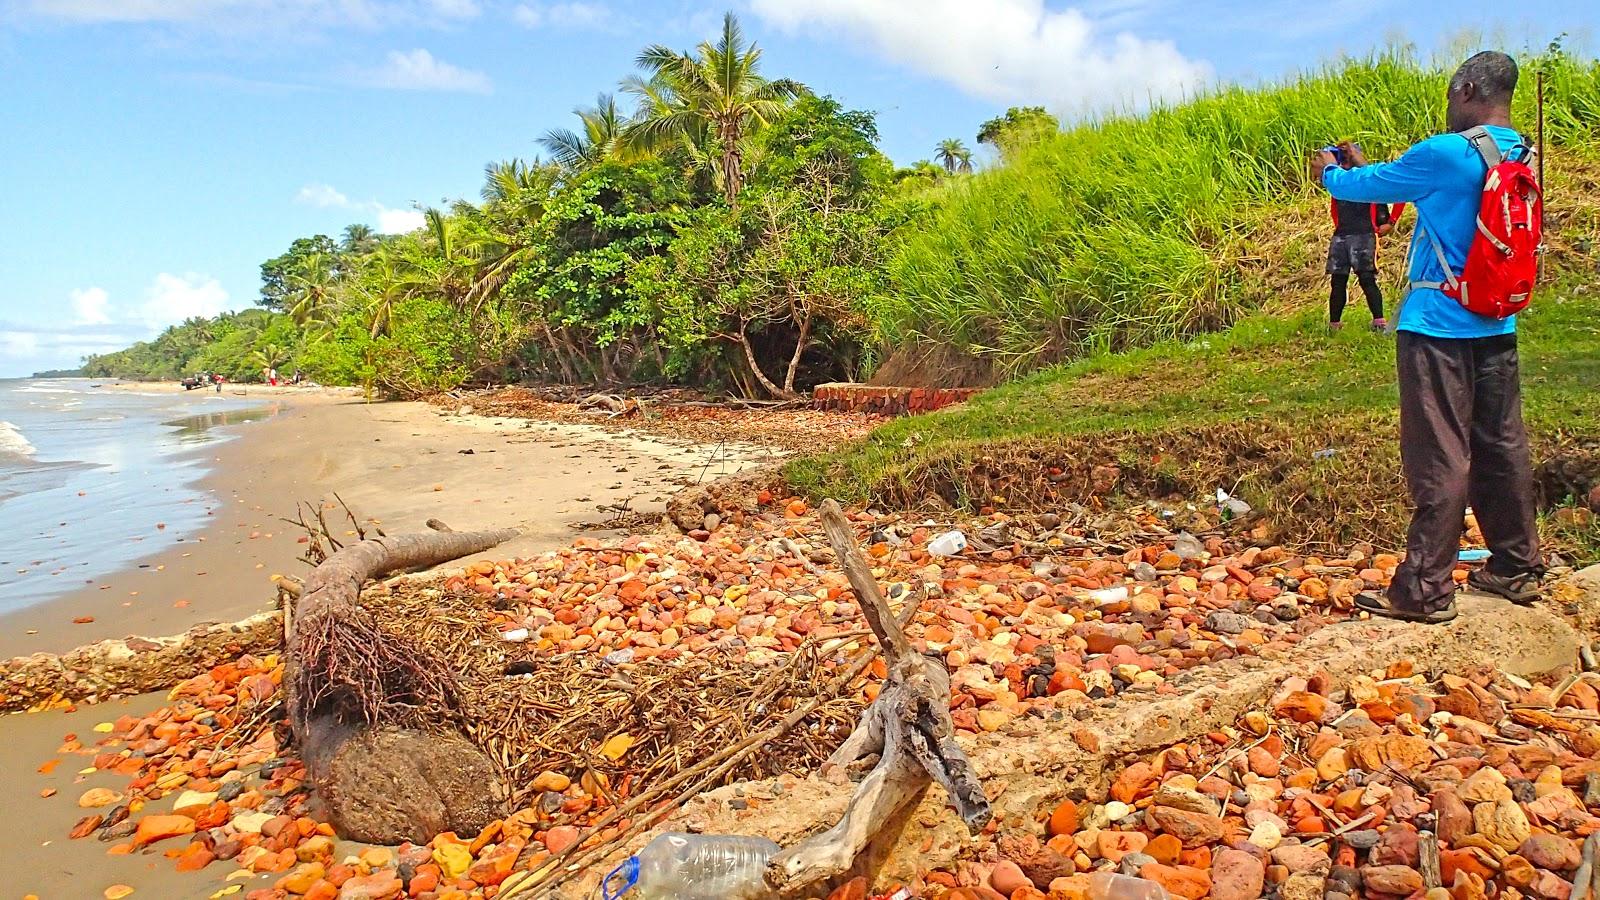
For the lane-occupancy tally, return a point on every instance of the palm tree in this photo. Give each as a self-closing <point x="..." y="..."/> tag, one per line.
<point x="712" y="100"/>
<point x="514" y="199"/>
<point x="269" y="356"/>
<point x="311" y="287"/>
<point x="600" y="138"/>
<point x="953" y="155"/>
<point x="359" y="238"/>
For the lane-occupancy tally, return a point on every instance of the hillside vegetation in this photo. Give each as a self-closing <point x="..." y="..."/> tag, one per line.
<point x="1138" y="229"/>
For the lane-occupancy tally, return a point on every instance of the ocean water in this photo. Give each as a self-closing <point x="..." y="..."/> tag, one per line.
<point x="93" y="480"/>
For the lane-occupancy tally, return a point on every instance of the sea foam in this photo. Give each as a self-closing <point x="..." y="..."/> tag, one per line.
<point x="12" y="441"/>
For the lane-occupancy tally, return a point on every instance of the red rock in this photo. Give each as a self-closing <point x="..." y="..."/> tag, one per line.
<point x="1397" y="847"/>
<point x="560" y="838"/>
<point x="195" y="857"/>
<point x="1191" y="829"/>
<point x="1007" y="878"/>
<point x="1302" y="706"/>
<point x="1237" y="875"/>
<point x="1263" y="762"/>
<point x="1464" y="861"/>
<point x="1135" y="781"/>
<point x="1455" y="820"/>
<point x="1114" y="845"/>
<point x="1181" y="881"/>
<point x="854" y="889"/>
<point x="1400" y="881"/>
<point x="383" y="885"/>
<point x="1164" y="849"/>
<point x="1551" y="851"/>
<point x="1063" y="819"/>
<point x="158" y="828"/>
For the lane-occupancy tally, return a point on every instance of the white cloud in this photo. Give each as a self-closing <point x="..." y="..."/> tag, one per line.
<point x="90" y="306"/>
<point x="399" y="221"/>
<point x="563" y="15"/>
<point x="19" y="343"/>
<point x="418" y="70"/>
<point x="387" y="219"/>
<point x="1006" y="51"/>
<point x="235" y="15"/>
<point x="321" y="195"/>
<point x="172" y="298"/>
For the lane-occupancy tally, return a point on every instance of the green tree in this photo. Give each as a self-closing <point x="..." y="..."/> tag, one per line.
<point x="359" y="239"/>
<point x="953" y="155"/>
<point x="600" y="136"/>
<point x="310" y="287"/>
<point x="1019" y="127"/>
<point x="277" y="273"/>
<point x="711" y="101"/>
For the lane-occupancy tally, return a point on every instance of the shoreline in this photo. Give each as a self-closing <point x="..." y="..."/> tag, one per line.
<point x="396" y="464"/>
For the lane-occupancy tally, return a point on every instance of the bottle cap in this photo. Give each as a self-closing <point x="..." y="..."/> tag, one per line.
<point x="629" y="870"/>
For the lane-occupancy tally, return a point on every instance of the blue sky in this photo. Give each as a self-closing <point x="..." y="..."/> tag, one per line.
<point x="156" y="151"/>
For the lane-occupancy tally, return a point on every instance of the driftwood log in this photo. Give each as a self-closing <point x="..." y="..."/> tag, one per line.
<point x="376" y="717"/>
<point x="907" y="728"/>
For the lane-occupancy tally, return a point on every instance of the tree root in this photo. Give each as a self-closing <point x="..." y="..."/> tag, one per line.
<point x="375" y="717"/>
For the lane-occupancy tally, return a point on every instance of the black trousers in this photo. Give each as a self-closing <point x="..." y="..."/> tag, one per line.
<point x="1462" y="441"/>
<point x="1339" y="289"/>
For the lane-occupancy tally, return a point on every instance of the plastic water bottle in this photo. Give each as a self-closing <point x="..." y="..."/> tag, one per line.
<point x="1112" y="886"/>
<point x="678" y="866"/>
<point x="948" y="544"/>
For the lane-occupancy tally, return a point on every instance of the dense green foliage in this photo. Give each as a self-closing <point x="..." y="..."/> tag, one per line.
<point x="1136" y="229"/>
<point x="735" y="231"/>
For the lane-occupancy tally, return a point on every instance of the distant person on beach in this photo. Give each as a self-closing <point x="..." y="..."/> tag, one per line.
<point x="1354" y="248"/>
<point x="216" y="379"/>
<point x="1462" y="438"/>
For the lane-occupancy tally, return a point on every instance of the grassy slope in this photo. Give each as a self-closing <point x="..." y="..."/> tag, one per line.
<point x="1244" y="410"/>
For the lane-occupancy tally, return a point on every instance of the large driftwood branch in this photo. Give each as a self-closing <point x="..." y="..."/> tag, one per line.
<point x="907" y="728"/>
<point x="372" y="713"/>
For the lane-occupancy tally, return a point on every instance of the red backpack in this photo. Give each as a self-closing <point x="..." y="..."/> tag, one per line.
<point x="1503" y="262"/>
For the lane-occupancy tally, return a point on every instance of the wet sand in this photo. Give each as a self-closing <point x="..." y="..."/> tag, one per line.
<point x="396" y="465"/>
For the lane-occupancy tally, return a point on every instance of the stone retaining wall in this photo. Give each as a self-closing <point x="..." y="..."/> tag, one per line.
<point x="895" y="401"/>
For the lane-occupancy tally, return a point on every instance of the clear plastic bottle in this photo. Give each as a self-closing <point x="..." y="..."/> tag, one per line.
<point x="678" y="866"/>
<point x="1113" y="886"/>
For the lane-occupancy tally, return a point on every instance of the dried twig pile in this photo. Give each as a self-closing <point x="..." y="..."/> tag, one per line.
<point x="623" y="725"/>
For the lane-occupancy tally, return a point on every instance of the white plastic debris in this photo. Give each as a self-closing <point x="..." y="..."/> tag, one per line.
<point x="515" y="635"/>
<point x="948" y="544"/>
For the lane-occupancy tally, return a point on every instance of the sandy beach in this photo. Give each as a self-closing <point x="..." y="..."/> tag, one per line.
<point x="395" y="465"/>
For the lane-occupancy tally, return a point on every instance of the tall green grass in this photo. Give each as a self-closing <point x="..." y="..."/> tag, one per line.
<point x="1131" y="230"/>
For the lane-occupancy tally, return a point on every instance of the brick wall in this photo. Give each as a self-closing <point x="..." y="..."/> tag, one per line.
<point x="890" y="400"/>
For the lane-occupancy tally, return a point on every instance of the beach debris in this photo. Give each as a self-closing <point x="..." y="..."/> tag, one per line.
<point x="743" y="662"/>
<point x="906" y="732"/>
<point x="370" y="709"/>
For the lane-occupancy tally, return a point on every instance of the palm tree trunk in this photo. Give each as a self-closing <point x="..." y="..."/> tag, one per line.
<point x="732" y="161"/>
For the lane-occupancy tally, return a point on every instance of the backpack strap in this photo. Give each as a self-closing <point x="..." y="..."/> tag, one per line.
<point x="1483" y="142"/>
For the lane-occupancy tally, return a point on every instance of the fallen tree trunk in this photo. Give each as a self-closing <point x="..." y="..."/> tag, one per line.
<point x="375" y="717"/>
<point x="133" y="665"/>
<point x="907" y="729"/>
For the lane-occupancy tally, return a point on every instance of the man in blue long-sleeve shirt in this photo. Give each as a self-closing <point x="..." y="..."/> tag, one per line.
<point x="1462" y="438"/>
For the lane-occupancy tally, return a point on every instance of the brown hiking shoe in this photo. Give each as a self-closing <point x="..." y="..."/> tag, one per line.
<point x="1378" y="605"/>
<point x="1522" y="589"/>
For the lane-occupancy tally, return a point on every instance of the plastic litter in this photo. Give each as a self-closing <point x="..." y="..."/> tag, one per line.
<point x="1474" y="555"/>
<point x="678" y="866"/>
<point x="948" y="544"/>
